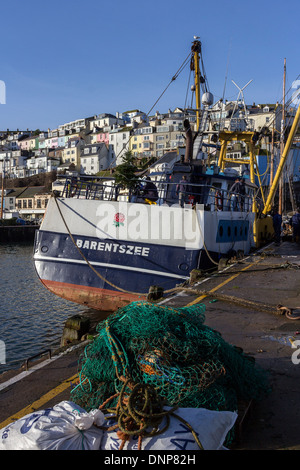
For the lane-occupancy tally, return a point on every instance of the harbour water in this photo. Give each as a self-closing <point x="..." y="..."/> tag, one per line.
<point x="31" y="318"/>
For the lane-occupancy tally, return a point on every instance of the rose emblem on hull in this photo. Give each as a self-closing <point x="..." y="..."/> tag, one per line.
<point x="119" y="219"/>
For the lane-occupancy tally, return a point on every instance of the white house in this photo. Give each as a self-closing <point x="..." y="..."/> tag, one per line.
<point x="94" y="158"/>
<point x="135" y="115"/>
<point x="41" y="164"/>
<point x="9" y="202"/>
<point x="105" y="120"/>
<point x="119" y="140"/>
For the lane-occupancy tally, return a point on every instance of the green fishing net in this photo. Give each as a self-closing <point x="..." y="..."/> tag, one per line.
<point x="188" y="363"/>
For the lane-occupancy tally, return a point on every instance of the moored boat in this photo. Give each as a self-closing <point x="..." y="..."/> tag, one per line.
<point x="104" y="249"/>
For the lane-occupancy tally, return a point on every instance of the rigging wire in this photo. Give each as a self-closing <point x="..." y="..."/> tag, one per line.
<point x="171" y="81"/>
<point x="290" y="165"/>
<point x="225" y="83"/>
<point x="279" y="111"/>
<point x="174" y="77"/>
<point x="187" y="90"/>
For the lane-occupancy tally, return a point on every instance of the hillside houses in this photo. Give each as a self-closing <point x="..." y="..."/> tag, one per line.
<point x="69" y="147"/>
<point x="90" y="145"/>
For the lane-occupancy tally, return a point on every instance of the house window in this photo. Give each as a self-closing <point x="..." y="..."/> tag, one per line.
<point x="30" y="203"/>
<point x="38" y="203"/>
<point x="162" y="129"/>
<point x="19" y="204"/>
<point x="147" y="130"/>
<point x="24" y="204"/>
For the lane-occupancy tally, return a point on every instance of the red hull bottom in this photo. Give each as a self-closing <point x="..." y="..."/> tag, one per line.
<point x="97" y="299"/>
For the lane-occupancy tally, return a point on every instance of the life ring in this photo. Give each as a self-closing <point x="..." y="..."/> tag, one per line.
<point x="219" y="200"/>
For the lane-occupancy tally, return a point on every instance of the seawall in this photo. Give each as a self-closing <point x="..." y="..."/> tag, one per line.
<point x="17" y="233"/>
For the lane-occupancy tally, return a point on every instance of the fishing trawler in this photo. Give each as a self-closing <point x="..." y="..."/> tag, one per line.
<point x="104" y="249"/>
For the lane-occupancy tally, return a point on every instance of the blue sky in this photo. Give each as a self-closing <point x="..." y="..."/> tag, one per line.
<point x="68" y="59"/>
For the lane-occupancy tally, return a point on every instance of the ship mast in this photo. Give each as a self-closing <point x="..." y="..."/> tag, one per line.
<point x="2" y="196"/>
<point x="282" y="162"/>
<point x="196" y="50"/>
<point x="281" y="180"/>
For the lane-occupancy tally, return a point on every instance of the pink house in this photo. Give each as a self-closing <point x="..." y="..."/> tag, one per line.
<point x="54" y="142"/>
<point x="103" y="137"/>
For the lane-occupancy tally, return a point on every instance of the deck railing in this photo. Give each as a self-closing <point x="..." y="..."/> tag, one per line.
<point x="213" y="198"/>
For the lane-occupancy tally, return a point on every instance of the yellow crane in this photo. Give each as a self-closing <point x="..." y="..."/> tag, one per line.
<point x="263" y="225"/>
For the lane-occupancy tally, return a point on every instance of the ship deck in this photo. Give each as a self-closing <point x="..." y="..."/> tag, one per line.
<point x="241" y="303"/>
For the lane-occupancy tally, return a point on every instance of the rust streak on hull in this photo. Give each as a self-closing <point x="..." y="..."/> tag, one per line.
<point x="97" y="299"/>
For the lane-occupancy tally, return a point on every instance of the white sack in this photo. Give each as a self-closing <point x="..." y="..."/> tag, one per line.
<point x="211" y="428"/>
<point x="66" y="426"/>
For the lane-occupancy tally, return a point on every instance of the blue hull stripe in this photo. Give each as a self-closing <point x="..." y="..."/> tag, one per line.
<point x="57" y="259"/>
<point x="109" y="266"/>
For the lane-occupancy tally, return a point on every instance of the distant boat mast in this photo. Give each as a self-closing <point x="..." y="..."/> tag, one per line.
<point x="2" y="196"/>
<point x="281" y="181"/>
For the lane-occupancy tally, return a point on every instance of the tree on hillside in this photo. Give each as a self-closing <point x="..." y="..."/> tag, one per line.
<point x="125" y="173"/>
<point x="41" y="179"/>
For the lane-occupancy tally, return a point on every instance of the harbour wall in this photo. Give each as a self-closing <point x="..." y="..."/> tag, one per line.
<point x="17" y="233"/>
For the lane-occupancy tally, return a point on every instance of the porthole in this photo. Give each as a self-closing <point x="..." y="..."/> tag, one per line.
<point x="183" y="266"/>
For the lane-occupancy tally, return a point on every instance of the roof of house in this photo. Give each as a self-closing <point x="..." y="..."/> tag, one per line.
<point x="31" y="191"/>
<point x="101" y="150"/>
<point x="23" y="137"/>
<point x="103" y="116"/>
<point x="166" y="158"/>
<point x="66" y="165"/>
<point x="15" y="192"/>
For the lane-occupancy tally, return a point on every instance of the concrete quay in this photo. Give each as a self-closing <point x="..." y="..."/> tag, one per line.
<point x="241" y="303"/>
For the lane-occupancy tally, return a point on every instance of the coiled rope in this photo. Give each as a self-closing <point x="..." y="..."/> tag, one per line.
<point x="139" y="409"/>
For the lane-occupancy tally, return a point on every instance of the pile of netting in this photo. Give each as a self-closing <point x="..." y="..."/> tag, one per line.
<point x="188" y="363"/>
